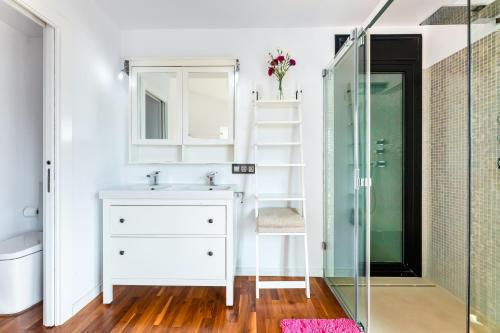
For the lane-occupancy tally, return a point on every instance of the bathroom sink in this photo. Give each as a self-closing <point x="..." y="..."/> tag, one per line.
<point x="142" y="187"/>
<point x="170" y="191"/>
<point x="194" y="187"/>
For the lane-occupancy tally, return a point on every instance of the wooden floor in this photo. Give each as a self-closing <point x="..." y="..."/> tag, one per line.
<point x="188" y="309"/>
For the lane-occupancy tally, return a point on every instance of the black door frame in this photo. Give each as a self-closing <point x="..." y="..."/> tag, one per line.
<point x="403" y="54"/>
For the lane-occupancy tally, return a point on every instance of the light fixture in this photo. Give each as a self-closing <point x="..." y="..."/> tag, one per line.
<point x="124" y="71"/>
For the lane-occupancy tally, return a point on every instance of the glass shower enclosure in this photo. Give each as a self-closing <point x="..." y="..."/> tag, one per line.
<point x="354" y="157"/>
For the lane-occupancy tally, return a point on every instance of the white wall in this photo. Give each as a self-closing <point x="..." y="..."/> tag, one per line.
<point x="20" y="130"/>
<point x="312" y="48"/>
<point x="89" y="104"/>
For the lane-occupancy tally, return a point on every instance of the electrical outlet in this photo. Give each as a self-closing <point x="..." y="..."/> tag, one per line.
<point x="243" y="168"/>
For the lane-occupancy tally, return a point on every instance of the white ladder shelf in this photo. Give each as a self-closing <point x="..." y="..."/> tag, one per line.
<point x="279" y="221"/>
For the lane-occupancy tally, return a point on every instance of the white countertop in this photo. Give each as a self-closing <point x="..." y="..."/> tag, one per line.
<point x="170" y="191"/>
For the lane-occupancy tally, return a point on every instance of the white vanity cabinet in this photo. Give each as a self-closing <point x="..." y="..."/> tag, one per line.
<point x="168" y="238"/>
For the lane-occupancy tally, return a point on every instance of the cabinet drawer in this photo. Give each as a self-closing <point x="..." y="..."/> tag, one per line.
<point x="167" y="220"/>
<point x="168" y="258"/>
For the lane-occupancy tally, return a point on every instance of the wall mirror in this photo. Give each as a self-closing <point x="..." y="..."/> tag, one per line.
<point x="208" y="104"/>
<point x="182" y="111"/>
<point x="157" y="105"/>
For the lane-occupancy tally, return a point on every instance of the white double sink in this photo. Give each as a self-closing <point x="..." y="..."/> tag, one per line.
<point x="180" y="187"/>
<point x="180" y="191"/>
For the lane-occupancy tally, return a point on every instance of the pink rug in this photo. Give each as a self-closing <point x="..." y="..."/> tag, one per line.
<point x="318" y="326"/>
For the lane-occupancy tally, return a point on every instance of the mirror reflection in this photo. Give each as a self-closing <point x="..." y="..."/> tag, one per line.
<point x="210" y="109"/>
<point x="158" y="93"/>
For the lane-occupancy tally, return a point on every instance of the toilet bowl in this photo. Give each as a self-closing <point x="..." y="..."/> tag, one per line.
<point x="20" y="272"/>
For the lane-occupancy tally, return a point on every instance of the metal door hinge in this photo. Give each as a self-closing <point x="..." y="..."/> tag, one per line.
<point x="323" y="246"/>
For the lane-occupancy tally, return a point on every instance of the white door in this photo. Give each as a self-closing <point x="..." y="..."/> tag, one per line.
<point x="49" y="184"/>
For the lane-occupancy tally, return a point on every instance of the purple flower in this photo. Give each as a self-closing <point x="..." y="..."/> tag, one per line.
<point x="270" y="71"/>
<point x="292" y="62"/>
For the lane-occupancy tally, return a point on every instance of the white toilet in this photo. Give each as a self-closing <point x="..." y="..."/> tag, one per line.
<point x="20" y="272"/>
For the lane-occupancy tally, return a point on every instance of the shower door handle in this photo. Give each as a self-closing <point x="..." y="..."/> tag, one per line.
<point x="48" y="180"/>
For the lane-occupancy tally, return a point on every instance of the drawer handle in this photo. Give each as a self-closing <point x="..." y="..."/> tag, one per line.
<point x="122" y="220"/>
<point x="210" y="221"/>
<point x="210" y="253"/>
<point x="122" y="252"/>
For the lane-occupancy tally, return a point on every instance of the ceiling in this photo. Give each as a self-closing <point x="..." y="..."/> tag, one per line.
<point x="219" y="14"/>
<point x="192" y="14"/>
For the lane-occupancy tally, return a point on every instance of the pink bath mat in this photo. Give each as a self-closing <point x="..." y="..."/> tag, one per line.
<point x="318" y="326"/>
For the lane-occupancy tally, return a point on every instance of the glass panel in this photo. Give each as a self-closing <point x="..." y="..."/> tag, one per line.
<point x="158" y="105"/>
<point x="362" y="154"/>
<point x="340" y="270"/>
<point x="387" y="167"/>
<point x="485" y="173"/>
<point x="328" y="174"/>
<point x="209" y="105"/>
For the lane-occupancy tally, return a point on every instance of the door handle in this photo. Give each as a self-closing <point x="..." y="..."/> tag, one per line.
<point x="48" y="180"/>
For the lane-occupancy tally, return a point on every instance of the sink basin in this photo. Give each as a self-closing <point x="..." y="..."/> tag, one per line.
<point x="149" y="187"/>
<point x="170" y="191"/>
<point x="194" y="187"/>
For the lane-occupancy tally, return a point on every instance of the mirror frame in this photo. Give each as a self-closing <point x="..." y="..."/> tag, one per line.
<point x="181" y="151"/>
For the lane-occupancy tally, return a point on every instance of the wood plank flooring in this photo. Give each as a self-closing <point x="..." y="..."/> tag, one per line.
<point x="188" y="309"/>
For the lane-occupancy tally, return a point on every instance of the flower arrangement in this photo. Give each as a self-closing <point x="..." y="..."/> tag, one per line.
<point x="279" y="66"/>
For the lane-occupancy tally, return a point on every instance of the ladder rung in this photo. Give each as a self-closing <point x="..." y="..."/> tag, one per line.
<point x="278" y="122"/>
<point x="279" y="197"/>
<point x="268" y="165"/>
<point x="278" y="144"/>
<point x="283" y="104"/>
<point x="282" y="284"/>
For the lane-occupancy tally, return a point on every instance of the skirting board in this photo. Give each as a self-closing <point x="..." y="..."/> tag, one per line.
<point x="87" y="298"/>
<point x="273" y="271"/>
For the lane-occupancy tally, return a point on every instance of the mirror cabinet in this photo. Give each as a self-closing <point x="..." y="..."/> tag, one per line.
<point x="182" y="111"/>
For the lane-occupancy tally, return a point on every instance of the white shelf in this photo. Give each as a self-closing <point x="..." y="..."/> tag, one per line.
<point x="284" y="103"/>
<point x="278" y="122"/>
<point x="279" y="197"/>
<point x="278" y="144"/>
<point x="277" y="165"/>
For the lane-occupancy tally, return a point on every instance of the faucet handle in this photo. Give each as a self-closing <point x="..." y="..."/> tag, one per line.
<point x="154" y="177"/>
<point x="211" y="177"/>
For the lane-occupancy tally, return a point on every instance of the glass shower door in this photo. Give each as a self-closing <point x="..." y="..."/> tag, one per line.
<point x="362" y="184"/>
<point x="340" y="265"/>
<point x="346" y="124"/>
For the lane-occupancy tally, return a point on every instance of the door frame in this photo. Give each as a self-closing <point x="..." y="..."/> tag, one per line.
<point x="52" y="268"/>
<point x="402" y="53"/>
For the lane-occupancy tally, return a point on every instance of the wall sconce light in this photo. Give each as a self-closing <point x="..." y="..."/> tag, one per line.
<point x="124" y="71"/>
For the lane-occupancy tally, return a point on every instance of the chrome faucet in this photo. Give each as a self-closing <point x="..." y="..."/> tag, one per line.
<point x="153" y="178"/>
<point x="211" y="178"/>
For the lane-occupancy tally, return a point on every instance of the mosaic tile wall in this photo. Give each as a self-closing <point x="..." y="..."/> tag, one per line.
<point x="447" y="212"/>
<point x="485" y="260"/>
<point x="445" y="175"/>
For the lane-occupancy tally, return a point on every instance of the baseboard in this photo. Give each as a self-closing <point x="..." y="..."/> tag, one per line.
<point x="86" y="299"/>
<point x="275" y="271"/>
